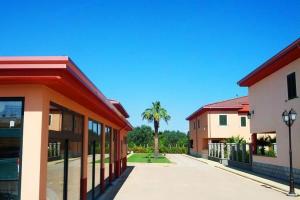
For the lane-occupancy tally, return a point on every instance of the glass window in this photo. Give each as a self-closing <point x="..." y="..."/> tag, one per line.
<point x="64" y="154"/>
<point x="223" y="120"/>
<point x="78" y="124"/>
<point x="107" y="151"/>
<point x="292" y="88"/>
<point x="94" y="159"/>
<point x="10" y="148"/>
<point x="67" y="121"/>
<point x="243" y="122"/>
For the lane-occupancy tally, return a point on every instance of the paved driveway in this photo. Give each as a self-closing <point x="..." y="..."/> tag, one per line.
<point x="187" y="179"/>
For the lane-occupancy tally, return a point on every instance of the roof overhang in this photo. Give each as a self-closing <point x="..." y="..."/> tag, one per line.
<point x="120" y="108"/>
<point x="62" y="75"/>
<point x="280" y="60"/>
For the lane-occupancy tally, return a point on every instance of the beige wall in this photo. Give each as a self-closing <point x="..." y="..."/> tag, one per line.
<point x="210" y="128"/>
<point x="233" y="127"/>
<point x="268" y="99"/>
<point x="35" y="134"/>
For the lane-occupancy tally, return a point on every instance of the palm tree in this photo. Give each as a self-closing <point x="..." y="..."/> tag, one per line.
<point x="155" y="114"/>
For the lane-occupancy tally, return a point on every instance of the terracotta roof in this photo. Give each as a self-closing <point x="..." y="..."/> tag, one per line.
<point x="240" y="104"/>
<point x="280" y="60"/>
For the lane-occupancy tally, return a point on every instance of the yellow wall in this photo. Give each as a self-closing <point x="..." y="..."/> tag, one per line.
<point x="268" y="99"/>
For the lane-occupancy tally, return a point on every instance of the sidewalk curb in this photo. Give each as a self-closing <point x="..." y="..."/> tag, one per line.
<point x="276" y="186"/>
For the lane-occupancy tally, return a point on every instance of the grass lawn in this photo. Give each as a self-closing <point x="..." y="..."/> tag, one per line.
<point x="147" y="158"/>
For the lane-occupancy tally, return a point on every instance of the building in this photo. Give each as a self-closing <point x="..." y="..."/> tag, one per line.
<point x="273" y="88"/>
<point x="60" y="137"/>
<point x="217" y="121"/>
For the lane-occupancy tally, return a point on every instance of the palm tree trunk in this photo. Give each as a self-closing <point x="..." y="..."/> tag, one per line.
<point x="156" y="149"/>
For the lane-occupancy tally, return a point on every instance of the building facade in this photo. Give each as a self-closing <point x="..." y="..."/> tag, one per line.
<point x="217" y="121"/>
<point x="273" y="88"/>
<point x="60" y="137"/>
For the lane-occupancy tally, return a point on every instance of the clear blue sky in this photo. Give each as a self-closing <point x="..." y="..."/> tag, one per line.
<point x="183" y="53"/>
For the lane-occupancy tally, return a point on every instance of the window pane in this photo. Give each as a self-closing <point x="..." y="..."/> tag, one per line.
<point x="223" y="120"/>
<point x="243" y="121"/>
<point x="292" y="89"/>
<point x="107" y="151"/>
<point x="74" y="171"/>
<point x="67" y="121"/>
<point x="10" y="148"/>
<point x="55" y="169"/>
<point x="78" y="124"/>
<point x="10" y="114"/>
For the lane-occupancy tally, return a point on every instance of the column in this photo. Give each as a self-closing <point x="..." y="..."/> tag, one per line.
<point x="83" y="182"/>
<point x="35" y="146"/>
<point x="254" y="143"/>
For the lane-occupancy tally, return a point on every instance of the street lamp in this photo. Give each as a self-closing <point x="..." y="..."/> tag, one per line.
<point x="289" y="118"/>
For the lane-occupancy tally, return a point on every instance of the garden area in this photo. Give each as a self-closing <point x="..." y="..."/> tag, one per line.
<point x="140" y="140"/>
<point x="147" y="158"/>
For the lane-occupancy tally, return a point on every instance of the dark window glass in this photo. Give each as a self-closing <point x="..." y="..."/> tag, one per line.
<point x="64" y="154"/>
<point x="78" y="124"/>
<point x="67" y="121"/>
<point x="94" y="159"/>
<point x="191" y="143"/>
<point x="243" y="121"/>
<point x="107" y="150"/>
<point x="198" y="123"/>
<point x="10" y="148"/>
<point x="291" y="83"/>
<point x="223" y="120"/>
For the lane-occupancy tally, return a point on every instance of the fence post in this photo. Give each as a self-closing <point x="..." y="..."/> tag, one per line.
<point x="243" y="152"/>
<point x="237" y="148"/>
<point x="228" y="150"/>
<point x="222" y="150"/>
<point x="250" y="153"/>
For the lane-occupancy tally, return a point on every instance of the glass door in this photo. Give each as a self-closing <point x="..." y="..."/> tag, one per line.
<point x="11" y="130"/>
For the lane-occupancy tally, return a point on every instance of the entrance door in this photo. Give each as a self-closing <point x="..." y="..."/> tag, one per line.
<point x="11" y="125"/>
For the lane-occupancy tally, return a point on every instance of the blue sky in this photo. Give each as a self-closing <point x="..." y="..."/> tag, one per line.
<point x="184" y="53"/>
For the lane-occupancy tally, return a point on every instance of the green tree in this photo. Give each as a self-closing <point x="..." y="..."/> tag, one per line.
<point x="236" y="139"/>
<point x="154" y="115"/>
<point x="140" y="136"/>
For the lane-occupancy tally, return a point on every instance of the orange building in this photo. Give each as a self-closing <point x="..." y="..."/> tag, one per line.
<point x="60" y="137"/>
<point x="215" y="122"/>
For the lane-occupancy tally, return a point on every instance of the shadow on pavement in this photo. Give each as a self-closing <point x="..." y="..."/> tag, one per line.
<point x="116" y="185"/>
<point x="264" y="176"/>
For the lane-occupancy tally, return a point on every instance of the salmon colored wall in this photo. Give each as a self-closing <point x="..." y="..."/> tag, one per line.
<point x="233" y="127"/>
<point x="200" y="141"/>
<point x="35" y="134"/>
<point x="268" y="99"/>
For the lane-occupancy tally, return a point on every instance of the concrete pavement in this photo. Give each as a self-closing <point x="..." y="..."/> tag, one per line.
<point x="187" y="178"/>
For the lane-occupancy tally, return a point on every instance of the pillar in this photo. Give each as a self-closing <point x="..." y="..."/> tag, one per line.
<point x="83" y="182"/>
<point x="254" y="143"/>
